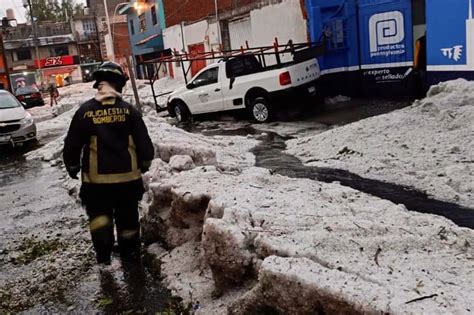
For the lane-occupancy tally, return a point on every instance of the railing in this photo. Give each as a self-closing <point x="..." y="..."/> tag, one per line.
<point x="44" y="30"/>
<point x="87" y="37"/>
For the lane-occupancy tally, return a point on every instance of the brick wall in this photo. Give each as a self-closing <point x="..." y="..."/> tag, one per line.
<point x="177" y="11"/>
<point x="121" y="40"/>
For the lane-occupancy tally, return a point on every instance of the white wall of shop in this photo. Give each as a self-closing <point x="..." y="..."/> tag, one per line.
<point x="284" y="21"/>
<point x="198" y="33"/>
<point x="173" y="39"/>
<point x="202" y="32"/>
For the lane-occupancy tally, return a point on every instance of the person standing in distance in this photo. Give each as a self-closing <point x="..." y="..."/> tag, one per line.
<point x="109" y="142"/>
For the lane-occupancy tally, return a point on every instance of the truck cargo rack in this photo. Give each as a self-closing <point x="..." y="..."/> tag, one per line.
<point x="301" y="52"/>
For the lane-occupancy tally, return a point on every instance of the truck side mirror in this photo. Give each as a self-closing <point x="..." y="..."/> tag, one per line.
<point x="232" y="81"/>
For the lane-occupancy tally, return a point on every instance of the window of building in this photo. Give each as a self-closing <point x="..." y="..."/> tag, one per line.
<point x="59" y="51"/>
<point x="89" y="27"/>
<point x="142" y="20"/>
<point x="132" y="27"/>
<point x="23" y="54"/>
<point x="154" y="18"/>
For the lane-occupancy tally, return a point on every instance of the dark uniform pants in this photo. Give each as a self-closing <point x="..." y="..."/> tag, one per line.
<point x="101" y="221"/>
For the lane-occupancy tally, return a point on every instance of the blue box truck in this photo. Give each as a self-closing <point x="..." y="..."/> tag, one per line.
<point x="392" y="47"/>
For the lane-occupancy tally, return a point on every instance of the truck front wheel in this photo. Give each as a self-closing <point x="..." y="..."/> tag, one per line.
<point x="181" y="112"/>
<point x="260" y="110"/>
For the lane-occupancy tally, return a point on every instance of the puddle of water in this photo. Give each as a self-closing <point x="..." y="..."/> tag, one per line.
<point x="136" y="288"/>
<point x="269" y="154"/>
<point x="122" y="288"/>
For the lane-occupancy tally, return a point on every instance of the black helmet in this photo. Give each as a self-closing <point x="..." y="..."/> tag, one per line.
<point x="110" y="72"/>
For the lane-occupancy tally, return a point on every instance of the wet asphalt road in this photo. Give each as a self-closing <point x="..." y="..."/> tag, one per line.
<point x="46" y="260"/>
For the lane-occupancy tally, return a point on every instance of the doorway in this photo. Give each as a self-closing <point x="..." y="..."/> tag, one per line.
<point x="197" y="65"/>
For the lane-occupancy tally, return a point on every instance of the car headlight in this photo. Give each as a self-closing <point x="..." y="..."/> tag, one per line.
<point x="27" y="120"/>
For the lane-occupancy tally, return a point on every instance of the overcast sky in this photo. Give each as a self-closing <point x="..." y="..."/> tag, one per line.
<point x="19" y="10"/>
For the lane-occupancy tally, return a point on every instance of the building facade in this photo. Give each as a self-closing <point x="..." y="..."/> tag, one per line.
<point x="254" y="23"/>
<point x="145" y="21"/>
<point x="4" y="80"/>
<point x="118" y="39"/>
<point x="86" y="33"/>
<point x="57" y="59"/>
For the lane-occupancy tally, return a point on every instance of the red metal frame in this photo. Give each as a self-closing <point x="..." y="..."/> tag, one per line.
<point x="259" y="52"/>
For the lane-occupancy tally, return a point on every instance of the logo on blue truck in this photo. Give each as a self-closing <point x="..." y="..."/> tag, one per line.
<point x="450" y="35"/>
<point x="387" y="34"/>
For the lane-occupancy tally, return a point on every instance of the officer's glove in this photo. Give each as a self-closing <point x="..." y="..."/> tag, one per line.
<point x="73" y="171"/>
<point x="145" y="166"/>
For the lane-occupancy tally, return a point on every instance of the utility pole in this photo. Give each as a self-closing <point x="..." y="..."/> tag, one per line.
<point x="27" y="3"/>
<point x="109" y="44"/>
<point x="218" y="23"/>
<point x="131" y="72"/>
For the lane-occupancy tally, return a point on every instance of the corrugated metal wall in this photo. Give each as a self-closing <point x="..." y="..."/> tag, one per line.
<point x="240" y="31"/>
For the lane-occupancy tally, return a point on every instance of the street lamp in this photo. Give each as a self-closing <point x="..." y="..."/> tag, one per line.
<point x="27" y="4"/>
<point x="6" y="24"/>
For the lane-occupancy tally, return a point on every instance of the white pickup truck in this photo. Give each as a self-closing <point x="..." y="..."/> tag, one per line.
<point x="243" y="83"/>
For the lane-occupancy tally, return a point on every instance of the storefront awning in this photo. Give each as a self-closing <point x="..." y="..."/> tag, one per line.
<point x="150" y="41"/>
<point x="153" y="55"/>
<point x="59" y="70"/>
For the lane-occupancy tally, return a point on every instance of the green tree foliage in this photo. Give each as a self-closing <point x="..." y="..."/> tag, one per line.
<point x="54" y="10"/>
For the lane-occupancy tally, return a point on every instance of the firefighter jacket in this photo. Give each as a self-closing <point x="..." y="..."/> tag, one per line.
<point x="112" y="140"/>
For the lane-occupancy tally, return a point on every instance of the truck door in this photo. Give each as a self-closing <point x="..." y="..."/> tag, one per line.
<point x="238" y="71"/>
<point x="207" y="94"/>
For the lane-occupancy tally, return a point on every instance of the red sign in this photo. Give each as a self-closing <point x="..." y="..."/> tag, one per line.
<point x="56" y="61"/>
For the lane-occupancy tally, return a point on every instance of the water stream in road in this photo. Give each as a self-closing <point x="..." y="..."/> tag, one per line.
<point x="270" y="154"/>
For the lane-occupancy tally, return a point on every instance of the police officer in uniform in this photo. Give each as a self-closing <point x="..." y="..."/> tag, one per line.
<point x="109" y="142"/>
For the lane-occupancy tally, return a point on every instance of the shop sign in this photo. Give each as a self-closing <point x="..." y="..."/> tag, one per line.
<point x="56" y="61"/>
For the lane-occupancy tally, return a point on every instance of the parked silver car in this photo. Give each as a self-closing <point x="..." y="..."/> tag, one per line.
<point x="16" y="124"/>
